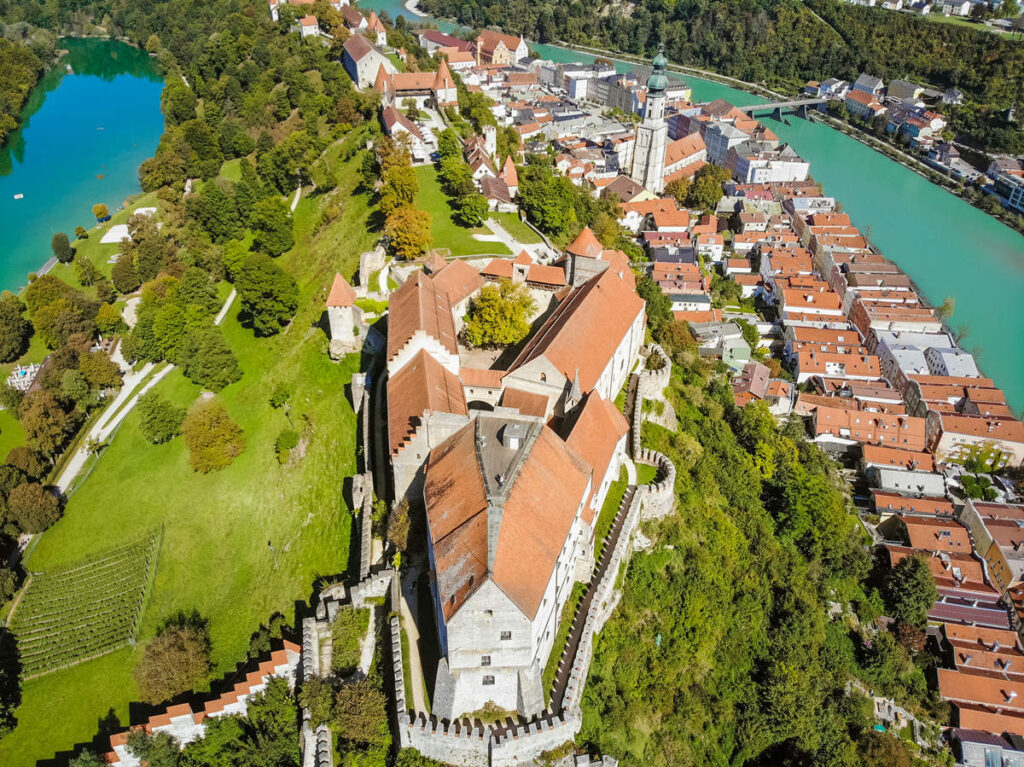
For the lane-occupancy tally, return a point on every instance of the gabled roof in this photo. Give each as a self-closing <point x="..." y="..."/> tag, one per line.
<point x="357" y="46"/>
<point x="584" y="330"/>
<point x="488" y="40"/>
<point x="682" y="148"/>
<point x="495" y="189"/>
<point x="393" y="119"/>
<point x="509" y="174"/>
<point x="458" y="280"/>
<point x="594" y="436"/>
<point x="501" y="513"/>
<point x="418" y="305"/>
<point x="353" y="18"/>
<point x="341" y="293"/>
<point x="374" y="24"/>
<point x="422" y="385"/>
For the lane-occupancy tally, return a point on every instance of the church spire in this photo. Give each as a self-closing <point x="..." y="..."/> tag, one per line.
<point x="658" y="81"/>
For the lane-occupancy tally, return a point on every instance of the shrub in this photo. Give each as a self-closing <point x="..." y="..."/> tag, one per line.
<point x="213" y="439"/>
<point x="177" y="659"/>
<point x="347" y="631"/>
<point x="318" y="696"/>
<point x="360" y="713"/>
<point x="160" y="420"/>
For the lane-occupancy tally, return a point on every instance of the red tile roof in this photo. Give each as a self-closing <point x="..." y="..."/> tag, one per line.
<point x="585" y="329"/>
<point x="341" y="293"/>
<point x="423" y="384"/>
<point x="594" y="436"/>
<point x="418" y="305"/>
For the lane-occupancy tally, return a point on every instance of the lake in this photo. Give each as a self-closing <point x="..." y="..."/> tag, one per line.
<point x="83" y="139"/>
<point x="948" y="247"/>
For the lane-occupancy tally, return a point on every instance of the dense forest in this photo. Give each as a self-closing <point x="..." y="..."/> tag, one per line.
<point x="21" y="69"/>
<point x="785" y="43"/>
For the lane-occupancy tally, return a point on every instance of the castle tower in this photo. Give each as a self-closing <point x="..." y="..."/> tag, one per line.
<point x="649" y="154"/>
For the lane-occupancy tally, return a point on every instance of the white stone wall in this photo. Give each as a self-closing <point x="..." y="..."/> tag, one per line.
<point x="420" y="340"/>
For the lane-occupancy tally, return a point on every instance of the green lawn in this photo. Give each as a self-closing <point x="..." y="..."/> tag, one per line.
<point x="445" y="232"/>
<point x="645" y="474"/>
<point x="603" y="525"/>
<point x="11" y="433"/>
<point x="512" y="224"/>
<point x="214" y="556"/>
<point x="558" y="646"/>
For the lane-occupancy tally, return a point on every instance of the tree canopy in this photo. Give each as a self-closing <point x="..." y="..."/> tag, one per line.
<point x="500" y="315"/>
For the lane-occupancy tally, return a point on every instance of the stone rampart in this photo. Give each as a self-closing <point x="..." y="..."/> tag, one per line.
<point x="652" y="383"/>
<point x="658" y="499"/>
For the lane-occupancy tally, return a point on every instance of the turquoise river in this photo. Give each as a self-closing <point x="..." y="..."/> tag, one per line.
<point x="105" y="119"/>
<point x="85" y="133"/>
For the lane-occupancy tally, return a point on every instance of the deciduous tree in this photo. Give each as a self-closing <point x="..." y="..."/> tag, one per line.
<point x="271" y="221"/>
<point x="33" y="507"/>
<point x="213" y="439"/>
<point x="176" y="660"/>
<point x="408" y="232"/>
<point x="47" y="425"/>
<point x="269" y="295"/>
<point x="159" y="420"/>
<point x="14" y="328"/>
<point x="499" y="316"/>
<point x="62" y="250"/>
<point x="910" y="591"/>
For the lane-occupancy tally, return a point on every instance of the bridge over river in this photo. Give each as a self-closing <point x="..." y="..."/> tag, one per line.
<point x="775" y="109"/>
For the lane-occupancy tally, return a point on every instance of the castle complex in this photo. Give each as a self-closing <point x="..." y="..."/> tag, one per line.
<point x="511" y="465"/>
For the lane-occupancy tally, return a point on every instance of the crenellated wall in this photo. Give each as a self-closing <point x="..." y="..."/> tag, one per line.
<point x="659" y="497"/>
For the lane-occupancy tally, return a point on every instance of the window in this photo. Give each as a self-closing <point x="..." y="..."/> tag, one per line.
<point x="506" y="635"/>
<point x="543" y="377"/>
<point x="485" y="660"/>
<point x="488" y="680"/>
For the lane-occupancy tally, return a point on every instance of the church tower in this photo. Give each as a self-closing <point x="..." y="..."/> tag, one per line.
<point x="649" y="153"/>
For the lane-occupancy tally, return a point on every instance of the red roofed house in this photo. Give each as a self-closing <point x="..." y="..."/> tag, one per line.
<point x="435" y="89"/>
<point x="420" y="318"/>
<point x="343" y="316"/>
<point x="396" y="124"/>
<point x="504" y="498"/>
<point x="308" y="26"/>
<point x="376" y="28"/>
<point x="426" y="405"/>
<point x="495" y="48"/>
<point x="591" y="339"/>
<point x="952" y="436"/>
<point x="510" y="176"/>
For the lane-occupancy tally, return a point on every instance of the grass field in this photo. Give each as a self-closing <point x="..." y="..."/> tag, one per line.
<point x="214" y="557"/>
<point x="446" y="233"/>
<point x="512" y="224"/>
<point x="603" y="524"/>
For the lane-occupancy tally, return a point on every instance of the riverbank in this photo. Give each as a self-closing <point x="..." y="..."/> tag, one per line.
<point x="413" y="7"/>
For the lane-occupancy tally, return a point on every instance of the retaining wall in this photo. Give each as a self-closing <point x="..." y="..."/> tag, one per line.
<point x="652" y="383"/>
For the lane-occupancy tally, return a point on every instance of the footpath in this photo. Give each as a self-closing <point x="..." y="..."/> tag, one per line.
<point x="135" y="384"/>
